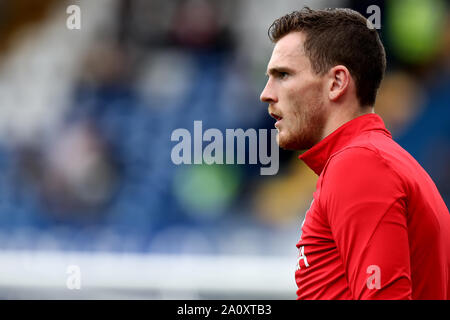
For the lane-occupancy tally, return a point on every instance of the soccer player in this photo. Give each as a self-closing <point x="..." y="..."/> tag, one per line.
<point x="377" y="227"/>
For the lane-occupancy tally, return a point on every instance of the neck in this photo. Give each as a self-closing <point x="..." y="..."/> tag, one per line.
<point x="343" y="115"/>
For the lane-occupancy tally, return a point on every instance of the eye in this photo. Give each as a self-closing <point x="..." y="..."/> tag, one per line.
<point x="282" y="75"/>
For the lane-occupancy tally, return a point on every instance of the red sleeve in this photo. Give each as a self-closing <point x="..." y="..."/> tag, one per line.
<point x="365" y="205"/>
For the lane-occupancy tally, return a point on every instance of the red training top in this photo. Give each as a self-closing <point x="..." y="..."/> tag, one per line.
<point x="377" y="227"/>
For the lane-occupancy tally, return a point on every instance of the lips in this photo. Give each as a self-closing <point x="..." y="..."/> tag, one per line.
<point x="275" y="116"/>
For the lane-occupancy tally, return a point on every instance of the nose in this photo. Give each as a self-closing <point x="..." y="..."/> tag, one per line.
<point x="268" y="94"/>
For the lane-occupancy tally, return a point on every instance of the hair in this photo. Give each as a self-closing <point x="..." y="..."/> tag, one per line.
<point x="338" y="36"/>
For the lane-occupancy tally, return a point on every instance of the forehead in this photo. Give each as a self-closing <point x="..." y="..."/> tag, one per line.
<point x="288" y="51"/>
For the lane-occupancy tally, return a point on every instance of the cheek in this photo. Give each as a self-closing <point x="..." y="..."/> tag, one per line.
<point x="294" y="99"/>
<point x="304" y="108"/>
<point x="297" y="105"/>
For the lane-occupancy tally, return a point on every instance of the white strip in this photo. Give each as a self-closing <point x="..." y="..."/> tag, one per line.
<point x="47" y="270"/>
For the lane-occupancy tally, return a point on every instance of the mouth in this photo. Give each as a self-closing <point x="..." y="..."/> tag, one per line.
<point x="276" y="117"/>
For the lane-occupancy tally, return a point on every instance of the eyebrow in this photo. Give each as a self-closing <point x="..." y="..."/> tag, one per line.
<point x="277" y="70"/>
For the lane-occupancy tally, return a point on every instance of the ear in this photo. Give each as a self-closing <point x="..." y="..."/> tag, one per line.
<point x="339" y="80"/>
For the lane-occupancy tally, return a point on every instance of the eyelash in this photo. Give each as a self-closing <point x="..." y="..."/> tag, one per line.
<point x="280" y="75"/>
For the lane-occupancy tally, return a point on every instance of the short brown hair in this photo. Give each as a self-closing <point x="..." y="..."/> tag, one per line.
<point x="338" y="36"/>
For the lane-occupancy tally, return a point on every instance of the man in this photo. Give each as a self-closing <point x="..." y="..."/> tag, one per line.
<point x="377" y="227"/>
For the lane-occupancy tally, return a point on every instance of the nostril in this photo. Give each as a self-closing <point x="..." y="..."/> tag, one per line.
<point x="264" y="98"/>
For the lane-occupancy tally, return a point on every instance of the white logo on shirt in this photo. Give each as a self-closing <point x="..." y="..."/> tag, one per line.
<point x="301" y="256"/>
<point x="301" y="250"/>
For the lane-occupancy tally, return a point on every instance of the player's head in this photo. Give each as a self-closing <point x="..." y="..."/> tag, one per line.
<point x="323" y="62"/>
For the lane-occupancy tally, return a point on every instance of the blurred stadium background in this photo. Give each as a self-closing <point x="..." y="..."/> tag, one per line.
<point x="86" y="117"/>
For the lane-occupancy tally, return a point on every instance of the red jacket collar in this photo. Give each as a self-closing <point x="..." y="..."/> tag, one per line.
<point x="318" y="155"/>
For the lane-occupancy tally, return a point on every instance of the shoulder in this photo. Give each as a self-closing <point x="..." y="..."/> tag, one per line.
<point x="359" y="169"/>
<point x="357" y="158"/>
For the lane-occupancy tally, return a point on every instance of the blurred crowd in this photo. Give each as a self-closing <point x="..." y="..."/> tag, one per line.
<point x="86" y="118"/>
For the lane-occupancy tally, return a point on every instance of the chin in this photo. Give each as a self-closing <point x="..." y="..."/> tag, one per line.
<point x="293" y="143"/>
<point x="286" y="144"/>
